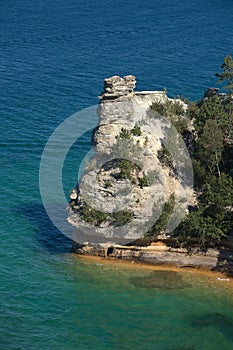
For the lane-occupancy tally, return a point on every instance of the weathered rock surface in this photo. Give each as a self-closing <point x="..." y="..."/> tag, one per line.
<point x="160" y="254"/>
<point x="116" y="87"/>
<point x="104" y="189"/>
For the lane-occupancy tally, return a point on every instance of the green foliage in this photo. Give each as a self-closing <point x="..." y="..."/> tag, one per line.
<point x="127" y="134"/>
<point x="210" y="146"/>
<point x="217" y="199"/>
<point x="126" y="169"/>
<point x="192" y="110"/>
<point x="136" y="131"/>
<point x="213" y="220"/>
<point x="159" y="108"/>
<point x="122" y="217"/>
<point x="213" y="168"/>
<point x="165" y="157"/>
<point x="143" y="181"/>
<point x="161" y="223"/>
<point x="168" y="108"/>
<point x="126" y="147"/>
<point x="199" y="230"/>
<point x="212" y="108"/>
<point x="214" y="124"/>
<point x="181" y="125"/>
<point x="227" y="73"/>
<point x="96" y="217"/>
<point x="199" y="172"/>
<point x="227" y="159"/>
<point x="173" y="110"/>
<point x="177" y="108"/>
<point x="124" y="134"/>
<point x="92" y="216"/>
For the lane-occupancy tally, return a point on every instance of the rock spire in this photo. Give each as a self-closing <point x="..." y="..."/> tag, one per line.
<point x="116" y="87"/>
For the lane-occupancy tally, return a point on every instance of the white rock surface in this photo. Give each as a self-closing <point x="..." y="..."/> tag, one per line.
<point x="121" y="107"/>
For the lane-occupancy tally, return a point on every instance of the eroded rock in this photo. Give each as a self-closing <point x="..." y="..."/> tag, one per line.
<point x="124" y="188"/>
<point x="116" y="87"/>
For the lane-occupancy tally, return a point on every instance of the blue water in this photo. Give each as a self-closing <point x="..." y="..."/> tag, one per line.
<point x="54" y="57"/>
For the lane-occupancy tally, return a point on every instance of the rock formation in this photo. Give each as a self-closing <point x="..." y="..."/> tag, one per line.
<point x="125" y="185"/>
<point x="116" y="87"/>
<point x="160" y="253"/>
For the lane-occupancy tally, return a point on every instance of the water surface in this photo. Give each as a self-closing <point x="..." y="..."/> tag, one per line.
<point x="54" y="57"/>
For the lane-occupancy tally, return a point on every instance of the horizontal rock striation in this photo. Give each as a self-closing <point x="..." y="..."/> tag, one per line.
<point x="160" y="254"/>
<point x="116" y="87"/>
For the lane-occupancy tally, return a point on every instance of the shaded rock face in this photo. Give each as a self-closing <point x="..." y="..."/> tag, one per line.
<point x="117" y="200"/>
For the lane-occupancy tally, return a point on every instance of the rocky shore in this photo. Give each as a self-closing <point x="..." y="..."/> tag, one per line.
<point x="161" y="254"/>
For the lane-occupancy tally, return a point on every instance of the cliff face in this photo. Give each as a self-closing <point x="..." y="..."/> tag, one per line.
<point x="125" y="185"/>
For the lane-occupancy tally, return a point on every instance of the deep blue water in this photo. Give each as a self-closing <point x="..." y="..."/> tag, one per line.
<point x="54" y="57"/>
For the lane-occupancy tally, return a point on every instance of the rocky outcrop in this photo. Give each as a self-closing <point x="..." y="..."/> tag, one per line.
<point x="116" y="87"/>
<point x="125" y="185"/>
<point x="159" y="253"/>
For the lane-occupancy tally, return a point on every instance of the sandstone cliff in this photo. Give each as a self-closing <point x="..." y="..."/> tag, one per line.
<point x="126" y="184"/>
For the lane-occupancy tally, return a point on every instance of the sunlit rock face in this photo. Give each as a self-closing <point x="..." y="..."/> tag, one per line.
<point x="125" y="186"/>
<point x="116" y="87"/>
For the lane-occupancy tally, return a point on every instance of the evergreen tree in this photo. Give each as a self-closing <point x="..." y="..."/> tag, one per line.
<point x="212" y="156"/>
<point x="210" y="146"/>
<point x="227" y="74"/>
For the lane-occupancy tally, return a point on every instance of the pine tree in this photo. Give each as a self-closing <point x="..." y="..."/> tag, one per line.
<point x="227" y="74"/>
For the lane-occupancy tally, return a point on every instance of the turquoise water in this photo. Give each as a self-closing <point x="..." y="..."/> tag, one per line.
<point x="54" y="57"/>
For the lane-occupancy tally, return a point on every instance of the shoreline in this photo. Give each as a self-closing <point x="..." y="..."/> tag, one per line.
<point x="131" y="264"/>
<point x="161" y="254"/>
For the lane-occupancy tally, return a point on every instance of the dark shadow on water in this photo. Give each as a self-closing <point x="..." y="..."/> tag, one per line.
<point x="216" y="320"/>
<point x="46" y="234"/>
<point x="164" y="280"/>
